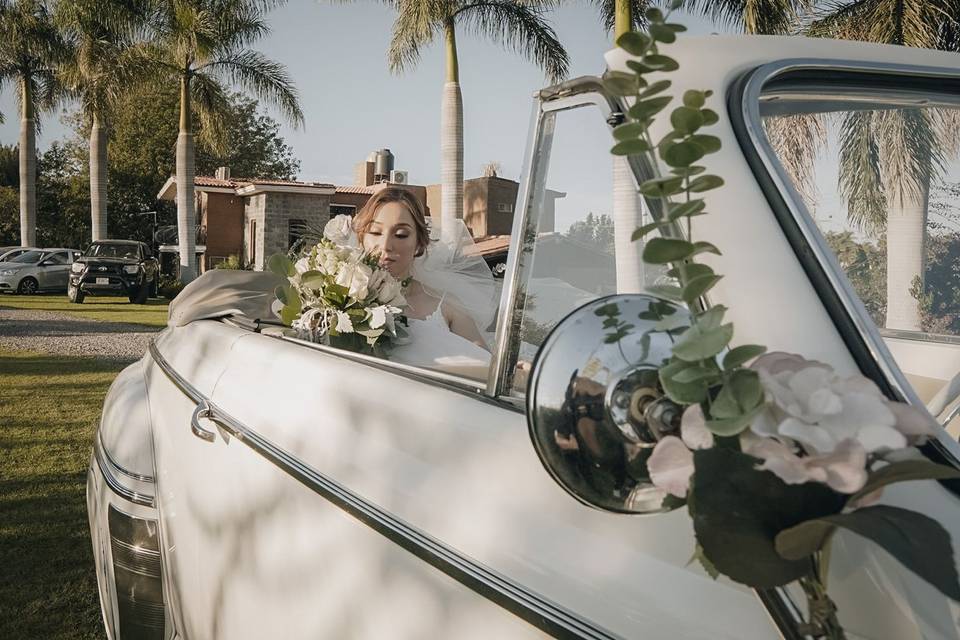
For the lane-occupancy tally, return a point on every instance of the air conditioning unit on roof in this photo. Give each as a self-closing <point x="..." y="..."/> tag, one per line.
<point x="398" y="177"/>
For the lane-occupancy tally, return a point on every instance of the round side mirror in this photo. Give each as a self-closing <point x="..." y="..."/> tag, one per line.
<point x="595" y="407"/>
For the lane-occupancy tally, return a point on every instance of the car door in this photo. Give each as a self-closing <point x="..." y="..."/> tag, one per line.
<point x="54" y="270"/>
<point x="337" y="495"/>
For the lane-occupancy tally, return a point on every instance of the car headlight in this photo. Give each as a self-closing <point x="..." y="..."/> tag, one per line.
<point x="131" y="269"/>
<point x="7" y="272"/>
<point x="76" y="267"/>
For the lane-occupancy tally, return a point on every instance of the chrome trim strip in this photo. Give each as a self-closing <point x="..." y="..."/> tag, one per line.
<point x="107" y="469"/>
<point x="744" y="108"/>
<point x="529" y="606"/>
<point x="119" y="469"/>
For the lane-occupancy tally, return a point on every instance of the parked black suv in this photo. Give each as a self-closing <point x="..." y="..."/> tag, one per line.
<point x="115" y="267"/>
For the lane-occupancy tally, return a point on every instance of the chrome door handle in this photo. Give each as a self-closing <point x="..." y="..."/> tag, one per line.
<point x="202" y="410"/>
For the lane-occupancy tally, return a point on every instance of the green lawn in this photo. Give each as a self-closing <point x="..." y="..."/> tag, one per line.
<point x="154" y="313"/>
<point x="49" y="406"/>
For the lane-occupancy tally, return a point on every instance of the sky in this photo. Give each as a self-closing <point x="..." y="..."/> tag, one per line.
<point x="336" y="54"/>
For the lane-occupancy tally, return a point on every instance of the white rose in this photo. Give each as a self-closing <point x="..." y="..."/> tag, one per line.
<point x="355" y="276"/>
<point x="302" y="265"/>
<point x="671" y="463"/>
<point x="339" y="230"/>
<point x="843" y="470"/>
<point x="378" y="316"/>
<point x="390" y="292"/>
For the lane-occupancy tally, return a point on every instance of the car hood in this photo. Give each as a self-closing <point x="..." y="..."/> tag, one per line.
<point x="15" y="266"/>
<point x="108" y="261"/>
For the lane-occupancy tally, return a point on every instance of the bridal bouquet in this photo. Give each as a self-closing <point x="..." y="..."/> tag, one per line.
<point x="773" y="458"/>
<point x="338" y="294"/>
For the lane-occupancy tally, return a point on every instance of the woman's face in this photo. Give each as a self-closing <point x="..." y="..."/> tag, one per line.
<point x="393" y="235"/>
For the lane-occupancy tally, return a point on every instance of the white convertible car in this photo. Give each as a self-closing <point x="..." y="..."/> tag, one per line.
<point x="245" y="484"/>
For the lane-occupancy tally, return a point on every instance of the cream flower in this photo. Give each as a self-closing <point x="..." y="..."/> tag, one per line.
<point x="378" y="316"/>
<point x="843" y="470"/>
<point x="355" y="276"/>
<point x="671" y="463"/>
<point x="391" y="292"/>
<point x="339" y="229"/>
<point x="810" y="404"/>
<point x="302" y="265"/>
<point x="344" y="324"/>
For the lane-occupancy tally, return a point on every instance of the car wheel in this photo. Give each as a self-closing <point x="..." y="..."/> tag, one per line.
<point x="28" y="286"/>
<point x="75" y="295"/>
<point x="140" y="295"/>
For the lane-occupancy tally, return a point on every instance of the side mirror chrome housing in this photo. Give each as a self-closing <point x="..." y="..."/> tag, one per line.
<point x="595" y="407"/>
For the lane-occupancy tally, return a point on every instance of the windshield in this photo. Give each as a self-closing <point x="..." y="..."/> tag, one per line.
<point x="30" y="257"/>
<point x="128" y="251"/>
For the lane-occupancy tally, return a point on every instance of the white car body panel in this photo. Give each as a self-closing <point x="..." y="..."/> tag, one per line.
<point x="251" y="551"/>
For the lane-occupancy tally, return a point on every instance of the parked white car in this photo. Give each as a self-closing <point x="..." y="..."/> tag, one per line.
<point x="245" y="484"/>
<point x="37" y="270"/>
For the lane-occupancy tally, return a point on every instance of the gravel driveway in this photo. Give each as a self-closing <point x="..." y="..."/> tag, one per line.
<point x="61" y="334"/>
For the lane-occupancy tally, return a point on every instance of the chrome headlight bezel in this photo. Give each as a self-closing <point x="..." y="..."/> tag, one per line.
<point x="76" y="268"/>
<point x="7" y="272"/>
<point x="131" y="269"/>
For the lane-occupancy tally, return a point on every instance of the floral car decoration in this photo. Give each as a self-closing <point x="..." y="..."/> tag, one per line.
<point x="338" y="294"/>
<point x="772" y="458"/>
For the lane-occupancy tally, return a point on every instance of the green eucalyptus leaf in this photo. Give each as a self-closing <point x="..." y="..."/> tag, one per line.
<point x="654" y="15"/>
<point x="282" y="293"/>
<point x="634" y="43"/>
<point x="688" y="171"/>
<point x="682" y="154"/>
<point x="919" y="542"/>
<point x="664" y="250"/>
<point x="281" y="265"/>
<point x="660" y="62"/>
<point x="686" y="119"/>
<point x="729" y="427"/>
<point x="668" y="291"/>
<point x="620" y="83"/>
<point x="655" y="88"/>
<point x="741" y="394"/>
<point x="693" y="374"/>
<point x="709" y="144"/>
<point x="630" y="147"/>
<point x="639" y="67"/>
<point x="738" y="511"/>
<point x="705" y="183"/>
<point x="698" y="286"/>
<point x="676" y="27"/>
<point x="698" y="344"/>
<point x="681" y="392"/>
<point x="646" y="108"/>
<point x="289" y="313"/>
<point x="629" y="131"/>
<point x="739" y="355"/>
<point x="904" y="471"/>
<point x="317" y="281"/>
<point x="691" y="269"/>
<point x="683" y="209"/>
<point x="705" y="247"/>
<point x="662" y="33"/>
<point x="709" y="117"/>
<point x="647" y="228"/>
<point x="693" y="98"/>
<point x="661" y="187"/>
<point x="712" y="317"/>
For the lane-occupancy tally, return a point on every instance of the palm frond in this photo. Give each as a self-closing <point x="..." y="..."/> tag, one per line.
<point x="607" y="10"/>
<point x="417" y="24"/>
<point x="266" y="79"/>
<point x="910" y="155"/>
<point x="211" y="105"/>
<point x="520" y="27"/>
<point x="797" y="140"/>
<point x="860" y="181"/>
<point x="912" y="23"/>
<point x="754" y="16"/>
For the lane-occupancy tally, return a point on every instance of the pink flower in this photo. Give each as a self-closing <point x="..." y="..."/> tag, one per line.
<point x="671" y="463"/>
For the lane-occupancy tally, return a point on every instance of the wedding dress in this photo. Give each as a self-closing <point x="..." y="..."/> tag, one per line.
<point x="432" y="345"/>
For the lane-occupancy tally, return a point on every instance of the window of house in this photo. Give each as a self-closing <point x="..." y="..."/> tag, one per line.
<point x="342" y="210"/>
<point x="878" y="170"/>
<point x="253" y="242"/>
<point x="505" y="207"/>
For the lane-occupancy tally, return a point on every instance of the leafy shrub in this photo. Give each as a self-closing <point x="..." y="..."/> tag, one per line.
<point x="169" y="287"/>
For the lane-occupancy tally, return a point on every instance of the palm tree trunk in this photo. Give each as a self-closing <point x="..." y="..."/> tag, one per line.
<point x="451" y="141"/>
<point x="906" y="233"/>
<point x="98" y="179"/>
<point x="627" y="207"/>
<point x="186" y="213"/>
<point x="28" y="167"/>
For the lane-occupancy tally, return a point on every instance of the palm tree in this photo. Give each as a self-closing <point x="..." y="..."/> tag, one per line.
<point x="888" y="159"/>
<point x="518" y="25"/>
<point x="202" y="44"/>
<point x="99" y="70"/>
<point x="29" y="51"/>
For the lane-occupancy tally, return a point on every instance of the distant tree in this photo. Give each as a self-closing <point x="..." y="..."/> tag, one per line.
<point x="594" y="231"/>
<point x="9" y="166"/>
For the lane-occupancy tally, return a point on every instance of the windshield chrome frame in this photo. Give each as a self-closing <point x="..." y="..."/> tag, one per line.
<point x="744" y="101"/>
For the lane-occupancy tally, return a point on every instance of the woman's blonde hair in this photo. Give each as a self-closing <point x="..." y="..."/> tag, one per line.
<point x="368" y="214"/>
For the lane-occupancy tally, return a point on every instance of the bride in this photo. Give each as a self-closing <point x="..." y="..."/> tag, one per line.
<point x="447" y="292"/>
